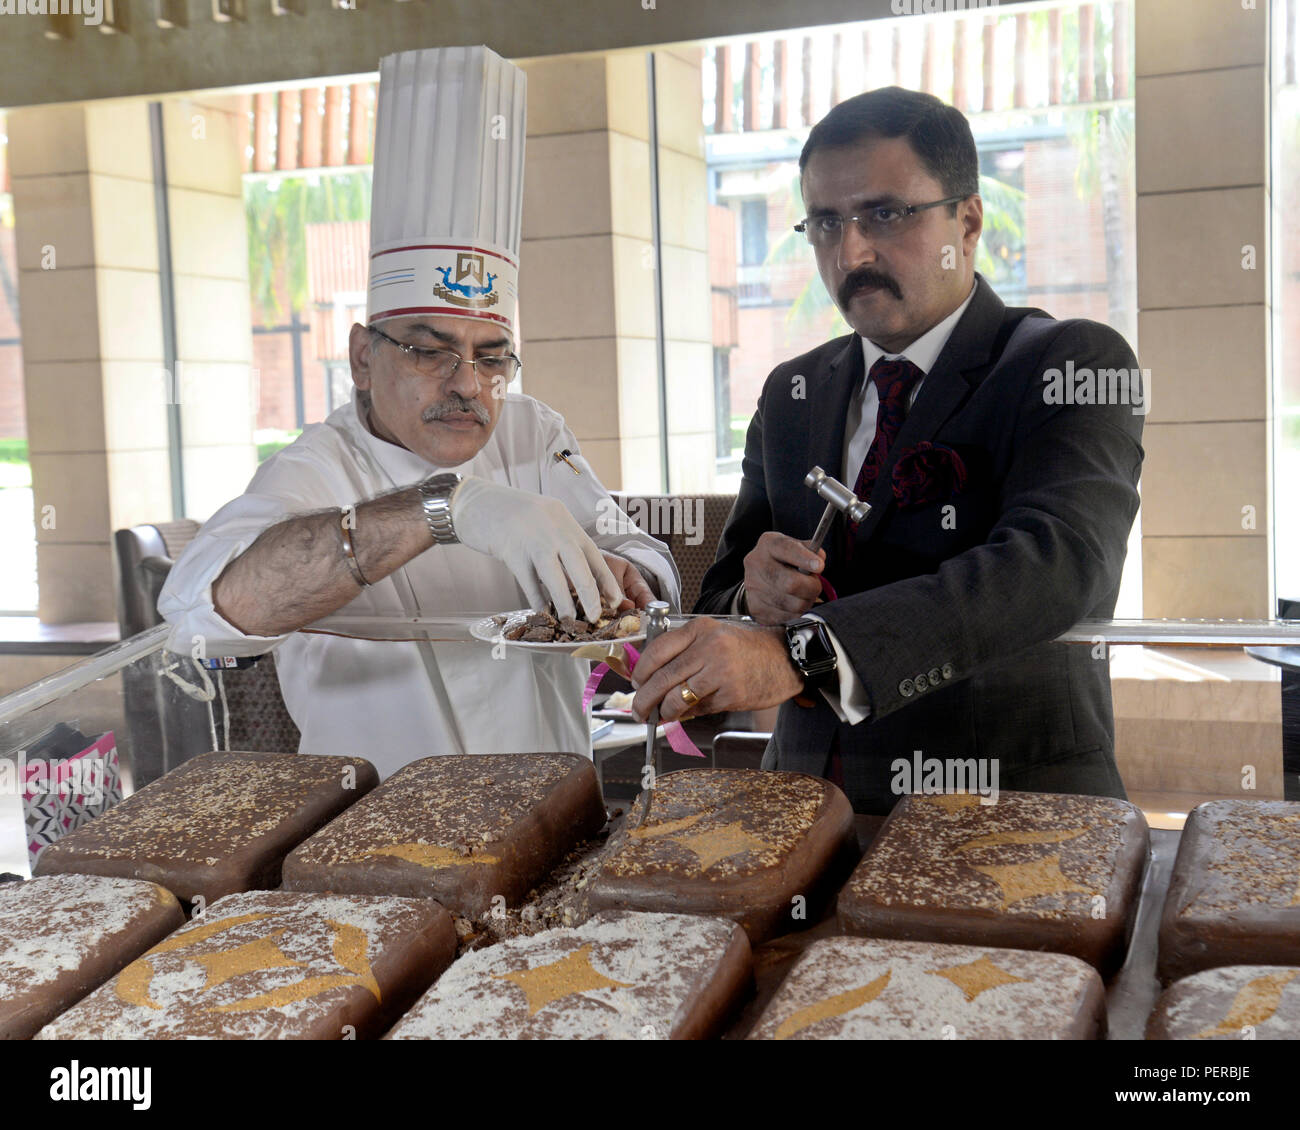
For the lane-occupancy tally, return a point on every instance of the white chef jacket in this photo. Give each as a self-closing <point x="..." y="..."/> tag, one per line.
<point x="394" y="702"/>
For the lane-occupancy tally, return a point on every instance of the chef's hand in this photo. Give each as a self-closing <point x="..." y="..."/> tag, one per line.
<point x="781" y="578"/>
<point x="538" y="540"/>
<point x="729" y="666"/>
<point x="636" y="593"/>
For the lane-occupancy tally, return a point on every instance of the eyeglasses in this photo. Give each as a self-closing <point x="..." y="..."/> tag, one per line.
<point x="443" y="363"/>
<point x="884" y="221"/>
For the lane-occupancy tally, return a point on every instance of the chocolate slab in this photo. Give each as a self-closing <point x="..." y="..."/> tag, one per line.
<point x="1033" y="871"/>
<point x="1233" y="1002"/>
<point x="273" y="965"/>
<point x="459" y="829"/>
<point x="1234" y="895"/>
<point x="874" y="989"/>
<point x="63" y="935"/>
<point x="619" y="976"/>
<point x="764" y="849"/>
<point x="220" y="823"/>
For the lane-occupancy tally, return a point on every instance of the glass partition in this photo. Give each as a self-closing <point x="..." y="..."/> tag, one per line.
<point x="1198" y="709"/>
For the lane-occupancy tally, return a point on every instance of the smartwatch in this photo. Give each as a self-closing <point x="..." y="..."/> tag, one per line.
<point x="435" y="498"/>
<point x="811" y="651"/>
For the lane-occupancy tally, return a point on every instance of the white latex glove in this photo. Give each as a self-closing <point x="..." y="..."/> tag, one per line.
<point x="538" y="540"/>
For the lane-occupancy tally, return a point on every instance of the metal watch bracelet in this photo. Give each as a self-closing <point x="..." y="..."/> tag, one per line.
<point x="435" y="498"/>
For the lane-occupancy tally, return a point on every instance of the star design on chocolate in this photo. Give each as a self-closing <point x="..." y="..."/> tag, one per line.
<point x="558" y="979"/>
<point x="1029" y="880"/>
<point x="261" y="953"/>
<point x="974" y="977"/>
<point x="831" y="1007"/>
<point x="720" y="843"/>
<point x="1255" y="1002"/>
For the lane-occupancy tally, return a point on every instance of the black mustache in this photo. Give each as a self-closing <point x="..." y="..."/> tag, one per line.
<point x="867" y="277"/>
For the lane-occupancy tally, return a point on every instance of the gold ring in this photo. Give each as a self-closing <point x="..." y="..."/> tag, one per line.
<point x="689" y="696"/>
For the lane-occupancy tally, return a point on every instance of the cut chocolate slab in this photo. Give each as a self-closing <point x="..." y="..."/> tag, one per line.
<point x="220" y="823"/>
<point x="64" y="935"/>
<point x="1234" y="1002"/>
<point x="274" y="965"/>
<point x="459" y="829"/>
<point x="764" y="849"/>
<point x="620" y="976"/>
<point x="1234" y="895"/>
<point x="872" y="989"/>
<point x="1034" y="871"/>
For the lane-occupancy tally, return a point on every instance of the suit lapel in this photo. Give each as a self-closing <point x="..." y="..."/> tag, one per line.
<point x="945" y="387"/>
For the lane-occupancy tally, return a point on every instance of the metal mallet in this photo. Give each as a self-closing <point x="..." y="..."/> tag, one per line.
<point x="839" y="499"/>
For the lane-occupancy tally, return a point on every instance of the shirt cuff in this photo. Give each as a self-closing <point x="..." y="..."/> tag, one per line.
<point x="849" y="697"/>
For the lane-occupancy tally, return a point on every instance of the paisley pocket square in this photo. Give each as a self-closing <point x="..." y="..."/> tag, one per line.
<point x="927" y="473"/>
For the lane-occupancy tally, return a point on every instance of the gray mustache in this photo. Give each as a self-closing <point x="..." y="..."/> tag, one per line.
<point x="446" y="407"/>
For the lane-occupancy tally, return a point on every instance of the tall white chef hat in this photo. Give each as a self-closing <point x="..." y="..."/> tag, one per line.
<point x="448" y="186"/>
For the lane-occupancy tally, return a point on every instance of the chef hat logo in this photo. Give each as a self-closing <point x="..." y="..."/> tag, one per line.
<point x="477" y="294"/>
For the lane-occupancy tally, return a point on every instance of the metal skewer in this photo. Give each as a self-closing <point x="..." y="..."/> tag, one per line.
<point x="656" y="625"/>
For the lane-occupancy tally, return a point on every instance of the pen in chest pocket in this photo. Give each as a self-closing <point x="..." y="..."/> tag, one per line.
<point x="564" y="457"/>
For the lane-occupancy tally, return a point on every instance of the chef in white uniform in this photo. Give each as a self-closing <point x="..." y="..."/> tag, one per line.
<point x="435" y="491"/>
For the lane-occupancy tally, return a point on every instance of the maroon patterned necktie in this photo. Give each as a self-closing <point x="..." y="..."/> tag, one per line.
<point x="893" y="381"/>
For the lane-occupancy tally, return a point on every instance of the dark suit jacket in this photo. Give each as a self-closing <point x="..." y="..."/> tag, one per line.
<point x="1037" y="544"/>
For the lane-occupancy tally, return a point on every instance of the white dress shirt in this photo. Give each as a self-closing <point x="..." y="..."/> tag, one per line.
<point x="849" y="699"/>
<point x="393" y="702"/>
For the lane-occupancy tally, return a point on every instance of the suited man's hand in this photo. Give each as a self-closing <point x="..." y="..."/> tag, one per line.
<point x="728" y="666"/>
<point x="778" y="584"/>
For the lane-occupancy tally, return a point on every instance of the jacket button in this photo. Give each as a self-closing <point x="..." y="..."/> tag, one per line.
<point x="906" y="689"/>
<point x="947" y="671"/>
<point x="934" y="676"/>
<point x="920" y="682"/>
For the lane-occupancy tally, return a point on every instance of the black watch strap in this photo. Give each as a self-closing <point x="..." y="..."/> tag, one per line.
<point x="811" y="651"/>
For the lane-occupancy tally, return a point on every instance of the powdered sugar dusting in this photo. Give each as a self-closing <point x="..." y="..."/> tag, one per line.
<point x="259" y="965"/>
<point x="49" y="925"/>
<point x="1258" y="1002"/>
<point x="621" y="975"/>
<point x="1243" y="855"/>
<point x="872" y="989"/>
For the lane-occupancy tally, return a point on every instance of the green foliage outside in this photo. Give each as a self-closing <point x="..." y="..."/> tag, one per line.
<point x="278" y="210"/>
<point x="13" y="451"/>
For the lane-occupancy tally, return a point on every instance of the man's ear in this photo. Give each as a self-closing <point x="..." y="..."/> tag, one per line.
<point x="360" y="343"/>
<point x="971" y="214"/>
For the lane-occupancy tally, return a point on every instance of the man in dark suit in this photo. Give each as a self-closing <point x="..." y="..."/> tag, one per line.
<point x="1000" y="452"/>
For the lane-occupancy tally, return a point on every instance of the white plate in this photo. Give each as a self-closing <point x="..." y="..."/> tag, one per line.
<point x="488" y="630"/>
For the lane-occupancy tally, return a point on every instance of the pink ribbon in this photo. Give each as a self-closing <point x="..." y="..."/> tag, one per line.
<point x="677" y="737"/>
